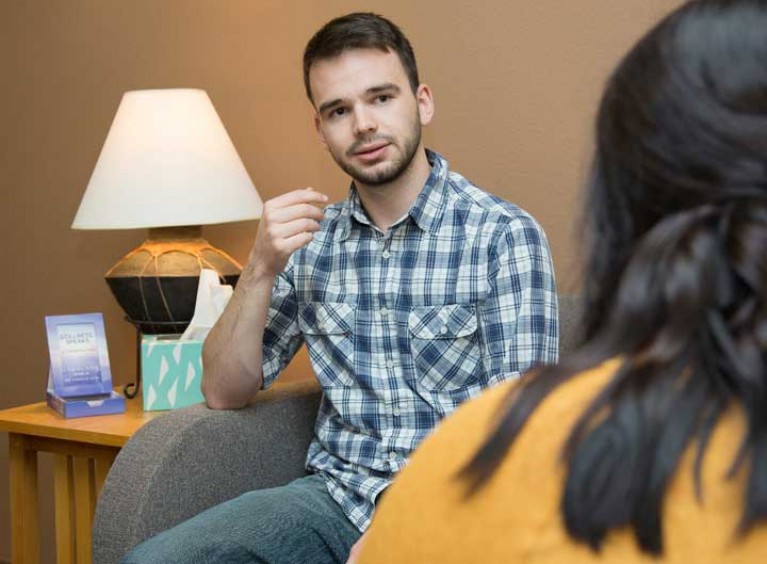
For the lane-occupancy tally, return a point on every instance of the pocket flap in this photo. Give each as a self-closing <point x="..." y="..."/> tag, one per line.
<point x="442" y="322"/>
<point x="317" y="318"/>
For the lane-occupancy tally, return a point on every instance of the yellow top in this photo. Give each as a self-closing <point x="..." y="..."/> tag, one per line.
<point x="516" y="518"/>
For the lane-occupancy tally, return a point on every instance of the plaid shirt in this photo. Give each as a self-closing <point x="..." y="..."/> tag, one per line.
<point x="403" y="326"/>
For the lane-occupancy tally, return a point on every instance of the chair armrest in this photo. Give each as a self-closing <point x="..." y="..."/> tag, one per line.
<point x="188" y="460"/>
<point x="570" y="321"/>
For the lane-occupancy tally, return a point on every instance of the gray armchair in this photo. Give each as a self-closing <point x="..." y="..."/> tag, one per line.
<point x="188" y="460"/>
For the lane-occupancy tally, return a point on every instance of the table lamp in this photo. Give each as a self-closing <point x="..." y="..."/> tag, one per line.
<point x="167" y="165"/>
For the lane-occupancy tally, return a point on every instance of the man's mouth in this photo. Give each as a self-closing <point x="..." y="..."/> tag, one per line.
<point x="371" y="151"/>
<point x="370" y="147"/>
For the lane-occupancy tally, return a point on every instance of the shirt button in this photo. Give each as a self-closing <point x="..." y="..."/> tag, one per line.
<point x="396" y="412"/>
<point x="384" y="312"/>
<point x="392" y="455"/>
<point x="443" y="329"/>
<point x="385" y="254"/>
<point x="390" y="364"/>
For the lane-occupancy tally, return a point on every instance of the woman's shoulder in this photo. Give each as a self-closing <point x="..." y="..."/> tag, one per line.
<point x="457" y="438"/>
<point x="477" y="417"/>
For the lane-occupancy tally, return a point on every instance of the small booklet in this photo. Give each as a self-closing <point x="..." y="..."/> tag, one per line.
<point x="80" y="379"/>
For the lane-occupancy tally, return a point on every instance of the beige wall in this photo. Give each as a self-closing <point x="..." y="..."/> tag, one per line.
<point x="516" y="84"/>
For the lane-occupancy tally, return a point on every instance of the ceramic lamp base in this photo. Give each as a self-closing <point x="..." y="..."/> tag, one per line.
<point x="156" y="283"/>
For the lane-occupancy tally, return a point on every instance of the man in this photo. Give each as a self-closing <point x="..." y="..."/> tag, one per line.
<point x="412" y="295"/>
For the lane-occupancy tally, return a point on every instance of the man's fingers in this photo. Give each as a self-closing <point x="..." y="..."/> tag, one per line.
<point x="305" y="196"/>
<point x="292" y="244"/>
<point x="298" y="211"/>
<point x="286" y="230"/>
<point x="287" y="224"/>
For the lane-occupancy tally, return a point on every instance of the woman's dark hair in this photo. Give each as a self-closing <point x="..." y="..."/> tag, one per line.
<point x="676" y="277"/>
<point x="359" y="31"/>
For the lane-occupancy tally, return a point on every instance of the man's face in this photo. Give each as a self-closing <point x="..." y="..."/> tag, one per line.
<point x="367" y="115"/>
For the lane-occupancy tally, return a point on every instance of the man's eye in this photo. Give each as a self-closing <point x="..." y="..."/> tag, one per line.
<point x="383" y="98"/>
<point x="338" y="112"/>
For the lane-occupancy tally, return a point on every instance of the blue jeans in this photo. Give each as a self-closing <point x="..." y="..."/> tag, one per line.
<point x="293" y="524"/>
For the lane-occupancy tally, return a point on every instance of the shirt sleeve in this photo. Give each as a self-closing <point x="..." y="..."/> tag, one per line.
<point x="519" y="320"/>
<point x="282" y="336"/>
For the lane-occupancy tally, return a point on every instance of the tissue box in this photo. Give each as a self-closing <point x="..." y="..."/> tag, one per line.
<point x="171" y="372"/>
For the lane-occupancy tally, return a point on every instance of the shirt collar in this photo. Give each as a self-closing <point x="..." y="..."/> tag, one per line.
<point x="426" y="212"/>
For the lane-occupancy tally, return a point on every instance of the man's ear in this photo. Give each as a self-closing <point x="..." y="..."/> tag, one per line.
<point x="425" y="101"/>
<point x="318" y="129"/>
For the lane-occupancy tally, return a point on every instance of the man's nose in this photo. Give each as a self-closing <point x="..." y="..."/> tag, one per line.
<point x="364" y="121"/>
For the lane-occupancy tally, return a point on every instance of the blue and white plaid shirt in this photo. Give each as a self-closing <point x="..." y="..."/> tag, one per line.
<point x="404" y="326"/>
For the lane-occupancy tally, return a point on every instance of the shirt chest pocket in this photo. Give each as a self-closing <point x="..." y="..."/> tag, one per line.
<point x="445" y="346"/>
<point x="328" y="330"/>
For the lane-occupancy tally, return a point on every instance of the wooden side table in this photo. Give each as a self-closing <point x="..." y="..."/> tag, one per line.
<point x="84" y="449"/>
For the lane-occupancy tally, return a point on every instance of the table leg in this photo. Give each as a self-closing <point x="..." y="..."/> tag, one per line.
<point x="85" y="501"/>
<point x="63" y="488"/>
<point x="25" y="540"/>
<point x="102" y="469"/>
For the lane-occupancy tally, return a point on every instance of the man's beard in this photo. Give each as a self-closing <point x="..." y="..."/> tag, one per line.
<point x="394" y="170"/>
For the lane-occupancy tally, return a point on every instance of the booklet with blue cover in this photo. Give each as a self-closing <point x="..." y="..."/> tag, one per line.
<point x="80" y="379"/>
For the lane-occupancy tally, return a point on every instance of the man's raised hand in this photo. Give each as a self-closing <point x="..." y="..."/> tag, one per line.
<point x="287" y="224"/>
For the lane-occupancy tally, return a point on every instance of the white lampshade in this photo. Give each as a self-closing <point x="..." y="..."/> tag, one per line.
<point x="167" y="161"/>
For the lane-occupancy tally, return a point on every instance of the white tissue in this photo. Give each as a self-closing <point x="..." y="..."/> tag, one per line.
<point x="212" y="297"/>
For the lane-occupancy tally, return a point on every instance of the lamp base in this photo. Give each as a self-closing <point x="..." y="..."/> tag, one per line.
<point x="156" y="283"/>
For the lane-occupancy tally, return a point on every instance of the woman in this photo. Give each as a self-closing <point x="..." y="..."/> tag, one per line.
<point x="650" y="442"/>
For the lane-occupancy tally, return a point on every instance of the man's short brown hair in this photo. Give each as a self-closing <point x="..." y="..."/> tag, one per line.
<point x="359" y="31"/>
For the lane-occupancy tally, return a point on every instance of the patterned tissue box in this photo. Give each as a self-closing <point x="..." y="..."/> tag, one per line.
<point x="171" y="372"/>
